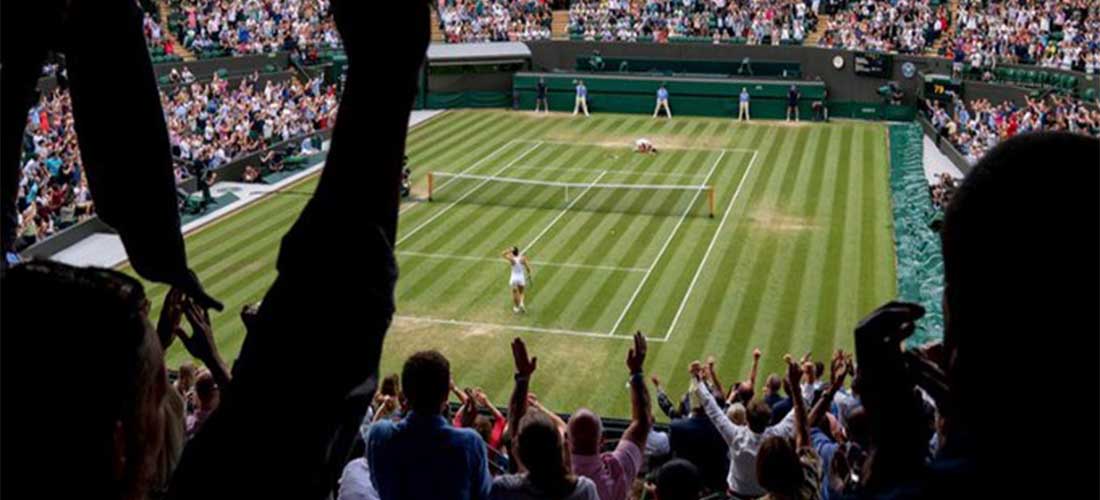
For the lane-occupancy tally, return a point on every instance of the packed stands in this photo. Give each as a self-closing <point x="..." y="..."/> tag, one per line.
<point x="1061" y="34"/>
<point x="975" y="127"/>
<point x="904" y="26"/>
<point x="735" y="21"/>
<point x="53" y="192"/>
<point x="236" y="27"/>
<point x="467" y="21"/>
<point x="209" y="124"/>
<point x="161" y="47"/>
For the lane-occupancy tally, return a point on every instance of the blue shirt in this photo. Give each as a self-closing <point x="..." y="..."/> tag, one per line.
<point x="662" y="94"/>
<point x="744" y="96"/>
<point x="825" y="448"/>
<point x="422" y="457"/>
<point x="582" y="91"/>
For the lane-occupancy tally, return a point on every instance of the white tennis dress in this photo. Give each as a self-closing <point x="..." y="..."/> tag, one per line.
<point x="519" y="277"/>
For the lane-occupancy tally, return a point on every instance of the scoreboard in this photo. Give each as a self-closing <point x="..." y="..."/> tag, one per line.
<point x="941" y="88"/>
<point x="873" y="64"/>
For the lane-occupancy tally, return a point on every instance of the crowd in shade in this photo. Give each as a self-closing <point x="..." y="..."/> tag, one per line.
<point x="747" y="21"/>
<point x="469" y="21"/>
<point x="903" y="26"/>
<point x="255" y="26"/>
<point x="1062" y="34"/>
<point x="209" y="124"/>
<point x="977" y="126"/>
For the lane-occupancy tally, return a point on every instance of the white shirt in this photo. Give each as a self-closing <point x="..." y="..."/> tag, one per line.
<point x="657" y="444"/>
<point x="355" y="482"/>
<point x="743" y="444"/>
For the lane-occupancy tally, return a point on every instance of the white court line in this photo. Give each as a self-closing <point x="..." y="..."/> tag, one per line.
<point x="631" y="145"/>
<point x="563" y="212"/>
<point x="710" y="247"/>
<point x="589" y="170"/>
<point x="664" y="247"/>
<point x="499" y="260"/>
<point x="465" y="170"/>
<point x="465" y="195"/>
<point x="521" y="328"/>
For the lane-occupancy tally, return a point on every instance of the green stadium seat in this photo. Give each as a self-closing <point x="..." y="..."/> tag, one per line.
<point x="1089" y="94"/>
<point x="1032" y="77"/>
<point x="270" y="68"/>
<point x="1069" y="82"/>
<point x="222" y="73"/>
<point x="1006" y="74"/>
<point x="164" y="80"/>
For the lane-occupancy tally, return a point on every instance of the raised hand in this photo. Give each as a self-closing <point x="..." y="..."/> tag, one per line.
<point x="635" y="357"/>
<point x="889" y="324"/>
<point x="756" y="354"/>
<point x="481" y="398"/>
<point x="170" y="315"/>
<point x="710" y="363"/>
<point x="656" y="381"/>
<point x="525" y="366"/>
<point x="201" y="342"/>
<point x="794" y="373"/>
<point x="695" y="369"/>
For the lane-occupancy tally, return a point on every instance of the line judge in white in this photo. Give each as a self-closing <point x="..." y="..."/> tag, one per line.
<point x="521" y="269"/>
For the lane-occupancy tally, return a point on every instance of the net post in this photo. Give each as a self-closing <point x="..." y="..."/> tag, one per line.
<point x="430" y="182"/>
<point x="710" y="200"/>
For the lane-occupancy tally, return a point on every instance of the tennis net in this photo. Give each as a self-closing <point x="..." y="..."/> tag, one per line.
<point x="594" y="196"/>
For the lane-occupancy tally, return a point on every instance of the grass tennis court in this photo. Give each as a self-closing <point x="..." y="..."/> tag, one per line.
<point x="798" y="248"/>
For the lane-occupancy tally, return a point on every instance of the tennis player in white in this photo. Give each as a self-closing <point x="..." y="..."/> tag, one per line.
<point x="521" y="269"/>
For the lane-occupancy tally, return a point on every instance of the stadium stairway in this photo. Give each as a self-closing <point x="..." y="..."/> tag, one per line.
<point x="437" y="33"/>
<point x="818" y="32"/>
<point x="163" y="9"/>
<point x="559" y="27"/>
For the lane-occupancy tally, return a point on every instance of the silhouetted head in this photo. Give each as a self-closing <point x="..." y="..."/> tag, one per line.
<point x="585" y="432"/>
<point x="541" y="450"/>
<point x="427" y="381"/>
<point x="778" y="469"/>
<point x="678" y="479"/>
<point x="1020" y="259"/>
<point x="773" y="384"/>
<point x="112" y="432"/>
<point x="207" y="391"/>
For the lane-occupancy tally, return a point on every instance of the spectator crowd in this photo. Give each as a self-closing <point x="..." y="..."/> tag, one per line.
<point x="977" y="126"/>
<point x="243" y="27"/>
<point x="209" y="123"/>
<point x="749" y="21"/>
<point x="468" y="21"/>
<point x="902" y="26"/>
<point x="1062" y="34"/>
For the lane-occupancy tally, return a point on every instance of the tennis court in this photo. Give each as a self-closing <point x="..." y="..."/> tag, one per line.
<point x="601" y="220"/>
<point x="799" y="248"/>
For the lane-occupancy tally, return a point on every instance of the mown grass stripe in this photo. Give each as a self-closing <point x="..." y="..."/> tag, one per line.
<point x="824" y="330"/>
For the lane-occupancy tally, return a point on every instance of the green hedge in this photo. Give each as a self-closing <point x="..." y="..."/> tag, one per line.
<point x="919" y="258"/>
<point x="469" y="99"/>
